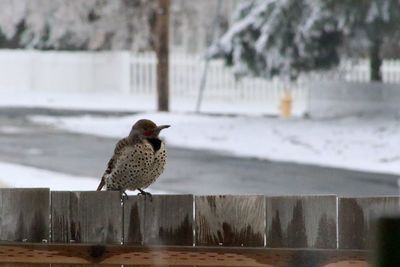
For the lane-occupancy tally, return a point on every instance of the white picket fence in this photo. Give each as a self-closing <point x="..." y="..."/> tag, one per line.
<point x="185" y="76"/>
<point x="126" y="73"/>
<point x="359" y="71"/>
<point x="186" y="71"/>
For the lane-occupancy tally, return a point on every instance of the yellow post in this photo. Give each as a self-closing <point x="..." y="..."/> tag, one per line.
<point x="286" y="105"/>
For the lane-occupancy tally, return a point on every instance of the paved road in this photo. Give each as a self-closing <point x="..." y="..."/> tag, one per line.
<point x="188" y="171"/>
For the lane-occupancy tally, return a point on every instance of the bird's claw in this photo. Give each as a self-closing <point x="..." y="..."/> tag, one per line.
<point x="145" y="194"/>
<point x="124" y="195"/>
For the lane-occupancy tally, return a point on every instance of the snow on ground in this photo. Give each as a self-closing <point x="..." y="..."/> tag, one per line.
<point x="14" y="175"/>
<point x="361" y="143"/>
<point x="130" y="102"/>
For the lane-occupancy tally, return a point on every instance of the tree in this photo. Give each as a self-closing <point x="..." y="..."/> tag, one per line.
<point x="77" y="24"/>
<point x="287" y="37"/>
<point x="162" y="51"/>
<point x="134" y="25"/>
<point x="369" y="24"/>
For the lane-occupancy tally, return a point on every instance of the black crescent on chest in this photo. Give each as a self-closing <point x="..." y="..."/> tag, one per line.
<point x="155" y="143"/>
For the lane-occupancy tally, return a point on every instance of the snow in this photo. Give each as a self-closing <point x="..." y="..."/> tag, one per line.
<point x="284" y="38"/>
<point x="360" y="143"/>
<point x="11" y="130"/>
<point x="94" y="24"/>
<point x="135" y="102"/>
<point x="14" y="175"/>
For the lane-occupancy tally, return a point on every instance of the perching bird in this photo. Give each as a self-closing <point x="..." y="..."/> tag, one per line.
<point x="138" y="159"/>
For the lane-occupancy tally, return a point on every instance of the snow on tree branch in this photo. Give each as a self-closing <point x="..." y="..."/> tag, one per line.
<point x="287" y="37"/>
<point x="78" y="24"/>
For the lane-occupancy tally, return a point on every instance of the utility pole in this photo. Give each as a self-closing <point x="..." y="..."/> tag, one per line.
<point x="162" y="52"/>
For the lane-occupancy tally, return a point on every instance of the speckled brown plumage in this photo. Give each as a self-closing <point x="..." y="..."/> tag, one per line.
<point x="138" y="159"/>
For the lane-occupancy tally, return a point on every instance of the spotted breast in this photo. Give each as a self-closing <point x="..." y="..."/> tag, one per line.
<point x="137" y="165"/>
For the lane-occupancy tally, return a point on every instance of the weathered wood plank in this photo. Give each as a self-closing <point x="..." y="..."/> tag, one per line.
<point x="180" y="256"/>
<point x="230" y="220"/>
<point x="358" y="216"/>
<point x="25" y="265"/>
<point x="133" y="220"/>
<point x="87" y="217"/>
<point x="24" y="214"/>
<point x="301" y="222"/>
<point x="60" y="217"/>
<point x="164" y="220"/>
<point x="168" y="220"/>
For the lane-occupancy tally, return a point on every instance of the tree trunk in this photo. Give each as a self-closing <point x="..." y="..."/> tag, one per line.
<point x="375" y="61"/>
<point x="162" y="51"/>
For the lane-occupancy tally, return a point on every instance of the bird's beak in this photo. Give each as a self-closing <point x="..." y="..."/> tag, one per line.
<point x="161" y="127"/>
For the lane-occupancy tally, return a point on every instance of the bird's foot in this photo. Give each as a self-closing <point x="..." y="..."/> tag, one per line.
<point x="145" y="194"/>
<point x="124" y="195"/>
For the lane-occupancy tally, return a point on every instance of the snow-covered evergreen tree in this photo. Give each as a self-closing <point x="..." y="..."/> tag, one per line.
<point x="287" y="37"/>
<point x="367" y="26"/>
<point x="77" y="24"/>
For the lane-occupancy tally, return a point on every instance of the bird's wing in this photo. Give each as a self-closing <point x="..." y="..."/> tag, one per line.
<point x="112" y="162"/>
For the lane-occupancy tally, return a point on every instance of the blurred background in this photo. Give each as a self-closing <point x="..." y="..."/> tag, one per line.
<point x="264" y="97"/>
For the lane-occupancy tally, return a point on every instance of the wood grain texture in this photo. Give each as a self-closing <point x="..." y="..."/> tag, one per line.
<point x="25" y="265"/>
<point x="168" y="220"/>
<point x="86" y="217"/>
<point x="60" y="217"/>
<point x="24" y="214"/>
<point x="230" y="220"/>
<point x="134" y="220"/>
<point x="180" y="256"/>
<point x="301" y="222"/>
<point x="358" y="217"/>
<point x="164" y="220"/>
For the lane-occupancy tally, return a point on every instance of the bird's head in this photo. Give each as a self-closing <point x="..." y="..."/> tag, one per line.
<point x="146" y="129"/>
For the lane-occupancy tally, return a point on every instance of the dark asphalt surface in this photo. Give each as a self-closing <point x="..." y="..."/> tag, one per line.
<point x="188" y="171"/>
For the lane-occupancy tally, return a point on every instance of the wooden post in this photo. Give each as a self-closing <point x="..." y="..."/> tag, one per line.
<point x="162" y="51"/>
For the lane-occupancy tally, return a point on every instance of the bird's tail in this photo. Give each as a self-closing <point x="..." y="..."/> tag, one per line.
<point x="102" y="183"/>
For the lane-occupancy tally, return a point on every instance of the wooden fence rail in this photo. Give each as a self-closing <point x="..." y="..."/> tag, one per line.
<point x="39" y="226"/>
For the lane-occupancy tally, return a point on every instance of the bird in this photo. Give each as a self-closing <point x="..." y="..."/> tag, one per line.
<point x="138" y="160"/>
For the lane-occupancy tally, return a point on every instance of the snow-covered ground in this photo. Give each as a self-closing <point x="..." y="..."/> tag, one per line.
<point x="360" y="143"/>
<point x="34" y="177"/>
<point x="134" y="103"/>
